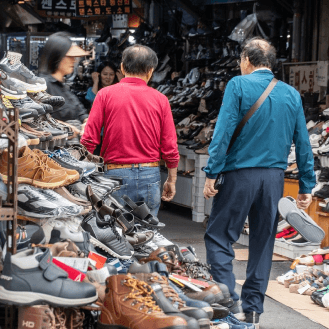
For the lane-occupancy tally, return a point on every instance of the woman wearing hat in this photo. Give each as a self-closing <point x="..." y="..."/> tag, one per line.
<point x="57" y="61"/>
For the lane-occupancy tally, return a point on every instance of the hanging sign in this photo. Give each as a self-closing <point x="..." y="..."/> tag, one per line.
<point x="62" y="8"/>
<point x="322" y="73"/>
<point x="103" y="7"/>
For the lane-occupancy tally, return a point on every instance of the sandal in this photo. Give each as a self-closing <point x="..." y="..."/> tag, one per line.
<point x="142" y="213"/>
<point x="125" y="220"/>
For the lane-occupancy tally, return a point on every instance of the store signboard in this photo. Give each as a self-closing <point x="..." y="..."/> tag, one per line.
<point x="63" y="8"/>
<point x="303" y="79"/>
<point x="103" y="7"/>
<point x="322" y="73"/>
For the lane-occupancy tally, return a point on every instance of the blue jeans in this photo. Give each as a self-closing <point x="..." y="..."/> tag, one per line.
<point x="140" y="184"/>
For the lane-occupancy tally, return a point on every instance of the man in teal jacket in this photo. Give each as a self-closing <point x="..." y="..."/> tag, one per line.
<point x="254" y="173"/>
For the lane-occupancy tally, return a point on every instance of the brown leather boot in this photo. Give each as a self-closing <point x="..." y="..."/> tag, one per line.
<point x="73" y="175"/>
<point x="129" y="303"/>
<point x="32" y="170"/>
<point x="36" y="317"/>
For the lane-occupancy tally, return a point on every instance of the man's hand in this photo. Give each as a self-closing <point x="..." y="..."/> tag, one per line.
<point x="169" y="191"/>
<point x="304" y="201"/>
<point x="209" y="189"/>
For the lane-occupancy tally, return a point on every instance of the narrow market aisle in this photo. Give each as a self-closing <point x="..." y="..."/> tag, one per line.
<point x="182" y="230"/>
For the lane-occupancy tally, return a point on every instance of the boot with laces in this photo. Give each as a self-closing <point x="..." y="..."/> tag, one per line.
<point x="32" y="170"/>
<point x="155" y="280"/>
<point x="36" y="317"/>
<point x="129" y="304"/>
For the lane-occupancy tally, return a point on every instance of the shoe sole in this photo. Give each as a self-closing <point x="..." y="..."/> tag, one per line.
<point x="306" y="227"/>
<point x="285" y="206"/>
<point x="204" y="323"/>
<point x="33" y="182"/>
<point x="22" y="298"/>
<point x="118" y="326"/>
<point x="10" y="94"/>
<point x="34" y="215"/>
<point x="33" y="88"/>
<point x="99" y="244"/>
<point x="34" y="141"/>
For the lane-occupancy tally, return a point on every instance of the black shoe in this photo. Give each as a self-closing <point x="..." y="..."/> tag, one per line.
<point x="105" y="235"/>
<point x="253" y="318"/>
<point x="31" y="278"/>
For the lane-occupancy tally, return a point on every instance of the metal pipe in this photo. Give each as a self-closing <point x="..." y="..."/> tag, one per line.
<point x="296" y="31"/>
<point x="302" y="56"/>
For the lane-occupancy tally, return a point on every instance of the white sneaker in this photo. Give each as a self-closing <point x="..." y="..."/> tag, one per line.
<point x="161" y="241"/>
<point x="287" y="276"/>
<point x="152" y="245"/>
<point x="310" y="124"/>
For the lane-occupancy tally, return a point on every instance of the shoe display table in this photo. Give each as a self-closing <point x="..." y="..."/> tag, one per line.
<point x="189" y="188"/>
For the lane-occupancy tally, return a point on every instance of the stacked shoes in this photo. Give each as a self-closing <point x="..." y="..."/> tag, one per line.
<point x="21" y="89"/>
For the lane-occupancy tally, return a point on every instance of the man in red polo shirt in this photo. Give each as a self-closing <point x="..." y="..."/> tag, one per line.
<point x="138" y="131"/>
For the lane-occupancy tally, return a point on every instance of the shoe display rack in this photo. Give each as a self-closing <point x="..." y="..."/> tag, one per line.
<point x="8" y="208"/>
<point x="8" y="211"/>
<point x="189" y="189"/>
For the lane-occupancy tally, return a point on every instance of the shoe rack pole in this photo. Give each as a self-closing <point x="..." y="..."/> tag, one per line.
<point x="12" y="179"/>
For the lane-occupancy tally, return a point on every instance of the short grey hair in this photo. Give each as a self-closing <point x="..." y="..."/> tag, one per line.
<point x="139" y="60"/>
<point x="260" y="52"/>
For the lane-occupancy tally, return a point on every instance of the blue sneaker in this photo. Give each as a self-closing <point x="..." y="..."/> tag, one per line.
<point x="236" y="324"/>
<point x="62" y="154"/>
<point x="125" y="265"/>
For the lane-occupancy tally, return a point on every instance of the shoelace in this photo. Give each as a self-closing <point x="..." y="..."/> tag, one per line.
<point x="60" y="318"/>
<point x="65" y="157"/>
<point x="169" y="292"/>
<point x="77" y="318"/>
<point x="141" y="293"/>
<point x="52" y="322"/>
<point x="40" y="168"/>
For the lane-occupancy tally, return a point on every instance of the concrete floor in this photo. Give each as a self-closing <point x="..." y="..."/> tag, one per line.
<point x="182" y="230"/>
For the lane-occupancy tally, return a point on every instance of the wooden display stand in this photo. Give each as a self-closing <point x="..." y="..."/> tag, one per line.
<point x="291" y="187"/>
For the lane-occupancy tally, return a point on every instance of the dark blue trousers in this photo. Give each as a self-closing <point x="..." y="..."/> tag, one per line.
<point x="253" y="192"/>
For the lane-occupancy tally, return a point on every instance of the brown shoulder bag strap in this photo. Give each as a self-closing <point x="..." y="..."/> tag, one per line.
<point x="252" y="110"/>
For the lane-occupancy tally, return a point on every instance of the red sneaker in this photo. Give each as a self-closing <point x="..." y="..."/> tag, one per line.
<point x="291" y="235"/>
<point x="284" y="232"/>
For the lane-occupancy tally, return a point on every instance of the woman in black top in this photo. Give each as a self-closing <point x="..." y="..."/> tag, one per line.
<point x="57" y="61"/>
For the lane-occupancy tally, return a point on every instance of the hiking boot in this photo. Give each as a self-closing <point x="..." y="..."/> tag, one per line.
<point x="253" y="318"/>
<point x="129" y="304"/>
<point x="161" y="287"/>
<point x="73" y="175"/>
<point x="105" y="235"/>
<point x="32" y="170"/>
<point x="30" y="278"/>
<point x="36" y="317"/>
